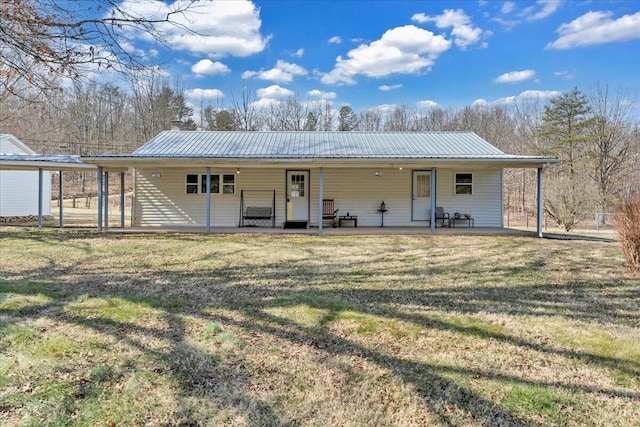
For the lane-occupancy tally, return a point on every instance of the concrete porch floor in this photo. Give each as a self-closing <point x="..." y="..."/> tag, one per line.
<point x="328" y="231"/>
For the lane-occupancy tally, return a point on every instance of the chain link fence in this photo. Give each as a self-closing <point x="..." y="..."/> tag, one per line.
<point x="592" y="222"/>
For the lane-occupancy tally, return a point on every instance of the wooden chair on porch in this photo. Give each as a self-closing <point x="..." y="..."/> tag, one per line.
<point x="329" y="213"/>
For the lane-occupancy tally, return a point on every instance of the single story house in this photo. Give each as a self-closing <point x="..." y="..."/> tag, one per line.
<point x="19" y="188"/>
<point x="210" y="179"/>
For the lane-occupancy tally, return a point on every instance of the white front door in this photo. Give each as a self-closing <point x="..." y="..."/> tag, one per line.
<point x="298" y="195"/>
<point x="421" y="194"/>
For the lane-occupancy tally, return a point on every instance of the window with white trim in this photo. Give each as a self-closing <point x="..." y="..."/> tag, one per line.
<point x="463" y="183"/>
<point x="221" y="183"/>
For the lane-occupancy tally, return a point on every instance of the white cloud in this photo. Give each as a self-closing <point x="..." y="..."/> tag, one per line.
<point x="274" y="92"/>
<point x="283" y="72"/>
<point x="515" y="76"/>
<point x="204" y="93"/>
<point x="426" y="104"/>
<point x="541" y="9"/>
<point x="401" y="50"/>
<point x="335" y="40"/>
<point x="131" y="49"/>
<point x="215" y="28"/>
<point x="298" y="53"/>
<point x="386" y="88"/>
<point x="322" y="95"/>
<point x="508" y="24"/>
<point x="508" y="7"/>
<point x="463" y="32"/>
<point x="594" y="28"/>
<point x="208" y="67"/>
<point x="265" y="103"/>
<point x="565" y="75"/>
<point x="527" y="95"/>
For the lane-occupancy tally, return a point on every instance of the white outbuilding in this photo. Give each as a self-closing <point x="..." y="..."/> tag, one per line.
<point x="19" y="188"/>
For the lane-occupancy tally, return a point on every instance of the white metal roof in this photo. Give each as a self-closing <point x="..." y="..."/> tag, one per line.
<point x="335" y="149"/>
<point x="42" y="161"/>
<point x="318" y="145"/>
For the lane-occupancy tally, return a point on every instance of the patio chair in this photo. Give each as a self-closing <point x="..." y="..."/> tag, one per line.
<point x="329" y="213"/>
<point x="441" y="214"/>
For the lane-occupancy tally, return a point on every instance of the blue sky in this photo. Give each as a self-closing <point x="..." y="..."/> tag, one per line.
<point x="379" y="53"/>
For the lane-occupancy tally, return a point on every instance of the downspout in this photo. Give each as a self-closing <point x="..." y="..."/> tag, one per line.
<point x="432" y="220"/>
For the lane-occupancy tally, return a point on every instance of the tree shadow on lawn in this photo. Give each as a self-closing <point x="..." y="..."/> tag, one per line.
<point x="251" y="289"/>
<point x="203" y="380"/>
<point x="198" y="374"/>
<point x="229" y="291"/>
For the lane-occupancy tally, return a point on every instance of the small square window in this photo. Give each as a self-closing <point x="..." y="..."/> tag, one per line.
<point x="228" y="184"/>
<point x="464" y="183"/>
<point x="192" y="183"/>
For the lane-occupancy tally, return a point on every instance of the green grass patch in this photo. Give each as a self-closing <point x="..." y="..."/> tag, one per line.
<point x="116" y="309"/>
<point x="556" y="407"/>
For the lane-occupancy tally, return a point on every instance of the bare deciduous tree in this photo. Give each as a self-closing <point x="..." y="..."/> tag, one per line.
<point x="611" y="140"/>
<point x="245" y="109"/>
<point x="44" y="39"/>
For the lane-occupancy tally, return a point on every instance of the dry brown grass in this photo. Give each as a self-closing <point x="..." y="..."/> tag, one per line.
<point x="299" y="330"/>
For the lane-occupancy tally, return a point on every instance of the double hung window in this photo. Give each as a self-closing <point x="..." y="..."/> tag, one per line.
<point x="464" y="183"/>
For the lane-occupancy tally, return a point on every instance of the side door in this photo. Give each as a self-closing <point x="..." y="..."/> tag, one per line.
<point x="298" y="195"/>
<point x="421" y="195"/>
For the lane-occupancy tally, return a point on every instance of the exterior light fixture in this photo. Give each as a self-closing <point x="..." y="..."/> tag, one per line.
<point x="238" y="171"/>
<point x="156" y="175"/>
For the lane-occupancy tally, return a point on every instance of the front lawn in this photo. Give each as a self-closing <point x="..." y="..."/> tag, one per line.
<point x="163" y="330"/>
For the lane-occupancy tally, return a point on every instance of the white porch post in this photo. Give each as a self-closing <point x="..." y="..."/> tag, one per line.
<point x="106" y="200"/>
<point x="540" y="200"/>
<point x="61" y="198"/>
<point x="320" y="197"/>
<point x="208" y="210"/>
<point x="432" y="219"/>
<point x="40" y="173"/>
<point x="122" y="199"/>
<point x="99" y="198"/>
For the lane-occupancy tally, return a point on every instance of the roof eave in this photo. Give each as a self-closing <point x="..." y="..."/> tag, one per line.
<point x="173" y="161"/>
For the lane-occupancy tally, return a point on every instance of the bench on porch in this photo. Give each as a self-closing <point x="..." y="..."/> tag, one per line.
<point x="256" y="213"/>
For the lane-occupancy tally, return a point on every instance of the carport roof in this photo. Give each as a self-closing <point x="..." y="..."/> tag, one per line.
<point x="42" y="161"/>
